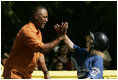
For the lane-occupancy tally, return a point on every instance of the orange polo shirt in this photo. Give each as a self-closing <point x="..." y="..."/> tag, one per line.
<point x="23" y="56"/>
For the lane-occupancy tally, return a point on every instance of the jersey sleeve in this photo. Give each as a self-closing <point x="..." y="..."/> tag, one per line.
<point x="78" y="50"/>
<point x="96" y="71"/>
<point x="30" y="39"/>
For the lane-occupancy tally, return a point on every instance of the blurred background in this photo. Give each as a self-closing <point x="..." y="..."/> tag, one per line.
<point x="82" y="16"/>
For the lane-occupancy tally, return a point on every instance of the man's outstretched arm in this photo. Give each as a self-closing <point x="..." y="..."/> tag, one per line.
<point x="61" y="30"/>
<point x="49" y="46"/>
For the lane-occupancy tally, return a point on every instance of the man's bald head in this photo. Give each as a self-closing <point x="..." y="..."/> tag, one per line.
<point x="36" y="10"/>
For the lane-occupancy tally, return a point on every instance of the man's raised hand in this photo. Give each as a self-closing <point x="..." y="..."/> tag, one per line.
<point x="57" y="28"/>
<point x="61" y="30"/>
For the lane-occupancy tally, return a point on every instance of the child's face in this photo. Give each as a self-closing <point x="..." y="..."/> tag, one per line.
<point x="88" y="42"/>
<point x="59" y="66"/>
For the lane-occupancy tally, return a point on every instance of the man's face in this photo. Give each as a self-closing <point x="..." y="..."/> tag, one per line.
<point x="42" y="18"/>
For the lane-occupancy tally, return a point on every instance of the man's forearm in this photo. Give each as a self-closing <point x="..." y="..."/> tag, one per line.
<point x="49" y="46"/>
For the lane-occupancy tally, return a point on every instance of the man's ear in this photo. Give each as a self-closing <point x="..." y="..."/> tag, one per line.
<point x="36" y="17"/>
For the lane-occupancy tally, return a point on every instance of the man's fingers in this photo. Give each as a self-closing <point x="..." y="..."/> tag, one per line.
<point x="57" y="25"/>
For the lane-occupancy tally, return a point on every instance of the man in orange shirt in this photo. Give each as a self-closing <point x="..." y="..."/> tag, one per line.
<point x="28" y="48"/>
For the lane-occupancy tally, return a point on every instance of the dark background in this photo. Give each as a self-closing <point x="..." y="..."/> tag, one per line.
<point x="82" y="16"/>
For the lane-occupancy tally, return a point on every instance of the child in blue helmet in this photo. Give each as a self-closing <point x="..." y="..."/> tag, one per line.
<point x="90" y="59"/>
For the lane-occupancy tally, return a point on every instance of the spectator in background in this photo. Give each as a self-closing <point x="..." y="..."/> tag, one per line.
<point x="65" y="57"/>
<point x="4" y="58"/>
<point x="59" y="66"/>
<point x="107" y="60"/>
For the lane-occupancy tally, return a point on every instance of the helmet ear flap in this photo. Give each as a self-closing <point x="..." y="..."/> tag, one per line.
<point x="92" y="45"/>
